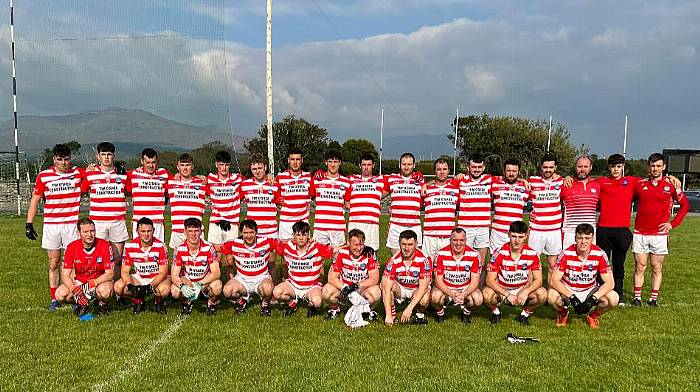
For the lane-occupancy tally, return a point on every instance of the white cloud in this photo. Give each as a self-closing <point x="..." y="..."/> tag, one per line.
<point x="485" y="83"/>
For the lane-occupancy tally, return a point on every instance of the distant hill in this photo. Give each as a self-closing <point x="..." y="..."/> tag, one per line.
<point x="422" y="146"/>
<point x="129" y="130"/>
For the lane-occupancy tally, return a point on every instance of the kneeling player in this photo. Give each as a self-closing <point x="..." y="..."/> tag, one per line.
<point x="149" y="259"/>
<point x="575" y="280"/>
<point x="195" y="270"/>
<point x="515" y="277"/>
<point x="252" y="258"/>
<point x="355" y="268"/>
<point x="303" y="260"/>
<point x="90" y="260"/>
<point x="457" y="272"/>
<point x="407" y="277"/>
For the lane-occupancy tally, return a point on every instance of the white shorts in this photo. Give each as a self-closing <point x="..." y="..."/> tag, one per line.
<point x="284" y="231"/>
<point x="498" y="238"/>
<point x="581" y="295"/>
<point x="404" y="294"/>
<point x="654" y="244"/>
<point x="477" y="237"/>
<point x="217" y="236"/>
<point x="392" y="237"/>
<point x="158" y="231"/>
<point x="569" y="237"/>
<point x="251" y="285"/>
<point x="113" y="232"/>
<point x="545" y="242"/>
<point x="328" y="237"/>
<point x="58" y="236"/>
<point x="301" y="293"/>
<point x="432" y="245"/>
<point x="371" y="231"/>
<point x="141" y="281"/>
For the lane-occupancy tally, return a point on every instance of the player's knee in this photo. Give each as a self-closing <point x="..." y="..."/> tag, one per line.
<point x="215" y="287"/>
<point x="425" y="300"/>
<point x="119" y="287"/>
<point x="436" y="297"/>
<point x="372" y="294"/>
<point x="489" y="296"/>
<point x="611" y="299"/>
<point x="541" y="295"/>
<point x="476" y="298"/>
<point x="328" y="291"/>
<point x="163" y="290"/>
<point x="104" y="290"/>
<point x="62" y="293"/>
<point x="315" y="300"/>
<point x="175" y="291"/>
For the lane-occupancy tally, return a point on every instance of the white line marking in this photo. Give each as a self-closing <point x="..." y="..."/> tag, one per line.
<point x="142" y="356"/>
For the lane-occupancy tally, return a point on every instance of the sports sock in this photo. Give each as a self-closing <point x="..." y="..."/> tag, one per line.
<point x="53" y="293"/>
<point x="440" y="311"/>
<point x="526" y="312"/>
<point x="654" y="295"/>
<point x="638" y="293"/>
<point x="292" y="304"/>
<point x="393" y="310"/>
<point x="595" y="314"/>
<point x="335" y="307"/>
<point x="241" y="301"/>
<point x="210" y="302"/>
<point x="466" y="311"/>
<point x="264" y="303"/>
<point x="420" y="315"/>
<point x="495" y="310"/>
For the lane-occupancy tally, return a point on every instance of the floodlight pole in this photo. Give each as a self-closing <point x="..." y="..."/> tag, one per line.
<point x="268" y="90"/>
<point x="381" y="140"/>
<point x="14" y="105"/>
<point x="549" y="134"/>
<point x="454" y="152"/>
<point x="624" y="140"/>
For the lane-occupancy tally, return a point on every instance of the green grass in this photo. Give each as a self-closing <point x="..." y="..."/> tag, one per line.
<point x="635" y="348"/>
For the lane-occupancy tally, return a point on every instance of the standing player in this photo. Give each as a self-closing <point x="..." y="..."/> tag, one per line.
<point x="440" y="199"/>
<point x="545" y="219"/>
<point x="329" y="193"/>
<point x="303" y="259"/>
<point x="457" y="273"/>
<point x="224" y="191"/>
<point x="147" y="185"/>
<point x="295" y="195"/>
<point x="353" y="269"/>
<point x="252" y="258"/>
<point x="475" y="205"/>
<point x="107" y="187"/>
<point x="148" y="257"/>
<point x="59" y="187"/>
<point x="261" y="198"/>
<point x="580" y="201"/>
<point x="655" y="196"/>
<point x="364" y="202"/>
<point x="575" y="278"/>
<point x="187" y="195"/>
<point x="515" y="277"/>
<point x="405" y="190"/>
<point x="407" y="277"/>
<point x="509" y="198"/>
<point x="195" y="270"/>
<point x="87" y="270"/>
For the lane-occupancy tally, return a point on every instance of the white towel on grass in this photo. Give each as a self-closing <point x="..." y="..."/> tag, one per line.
<point x="353" y="317"/>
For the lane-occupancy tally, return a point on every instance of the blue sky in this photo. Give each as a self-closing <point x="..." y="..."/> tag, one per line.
<point x="586" y="63"/>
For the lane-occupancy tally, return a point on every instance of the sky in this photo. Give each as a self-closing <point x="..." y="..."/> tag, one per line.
<point x="338" y="63"/>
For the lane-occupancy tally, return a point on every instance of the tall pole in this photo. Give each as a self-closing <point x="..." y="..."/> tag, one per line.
<point x="14" y="105"/>
<point x="624" y="140"/>
<point x="381" y="140"/>
<point x="268" y="90"/>
<point x="454" y="152"/>
<point x="549" y="134"/>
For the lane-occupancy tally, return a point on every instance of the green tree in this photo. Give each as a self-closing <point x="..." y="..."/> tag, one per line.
<point x="353" y="149"/>
<point x="46" y="157"/>
<point x="498" y="138"/>
<point x="203" y="157"/>
<point x="289" y="133"/>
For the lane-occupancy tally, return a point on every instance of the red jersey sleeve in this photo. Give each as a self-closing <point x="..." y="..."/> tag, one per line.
<point x="390" y="270"/>
<point x="604" y="267"/>
<point x="337" y="265"/>
<point x="211" y="255"/>
<point x="39" y="186"/>
<point x="325" y="251"/>
<point x="440" y="266"/>
<point x="109" y="256"/>
<point x="372" y="263"/>
<point x="85" y="185"/>
<point x="495" y="262"/>
<point x="561" y="263"/>
<point x="177" y="259"/>
<point x="476" y="265"/>
<point x="279" y="248"/>
<point x="386" y="184"/>
<point x="535" y="266"/>
<point x="127" y="261"/>
<point x="685" y="206"/>
<point x="163" y="256"/>
<point x="426" y="269"/>
<point x="227" y="248"/>
<point x="68" y="258"/>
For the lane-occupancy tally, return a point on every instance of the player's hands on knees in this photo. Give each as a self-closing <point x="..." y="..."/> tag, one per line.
<point x="30" y="232"/>
<point x="589" y="304"/>
<point x="458" y="297"/>
<point x="522" y="297"/>
<point x="576" y="304"/>
<point x="512" y="299"/>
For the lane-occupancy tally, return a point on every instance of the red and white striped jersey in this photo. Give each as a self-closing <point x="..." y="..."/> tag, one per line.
<point x="514" y="274"/>
<point x="295" y="196"/>
<point x="408" y="275"/>
<point x="261" y="201"/>
<point x="440" y="209"/>
<point x="365" y="195"/>
<point x="581" y="275"/>
<point x="329" y="194"/>
<point x="146" y="262"/>
<point x="225" y="197"/>
<point x="546" y="203"/>
<point x="405" y="193"/>
<point x="508" y="203"/>
<point x="195" y="266"/>
<point x="187" y="200"/>
<point x="474" y="201"/>
<point x="304" y="270"/>
<point x="62" y="195"/>
<point x="580" y="201"/>
<point x="88" y="264"/>
<point x="457" y="273"/>
<point x="148" y="193"/>
<point x="353" y="270"/>
<point x="107" y="195"/>
<point x="251" y="261"/>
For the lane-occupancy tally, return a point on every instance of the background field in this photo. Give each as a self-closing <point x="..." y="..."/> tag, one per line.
<point x="635" y="349"/>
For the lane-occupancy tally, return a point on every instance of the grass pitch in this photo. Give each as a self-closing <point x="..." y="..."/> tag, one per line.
<point x="635" y="348"/>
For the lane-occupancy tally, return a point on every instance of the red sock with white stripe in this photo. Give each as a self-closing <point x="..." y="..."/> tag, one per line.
<point x="241" y="301"/>
<point x="440" y="311"/>
<point x="466" y="311"/>
<point x="654" y="295"/>
<point x="638" y="293"/>
<point x="265" y="304"/>
<point x="335" y="307"/>
<point x="393" y="310"/>
<point x="495" y="310"/>
<point x="292" y="304"/>
<point x="526" y="312"/>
